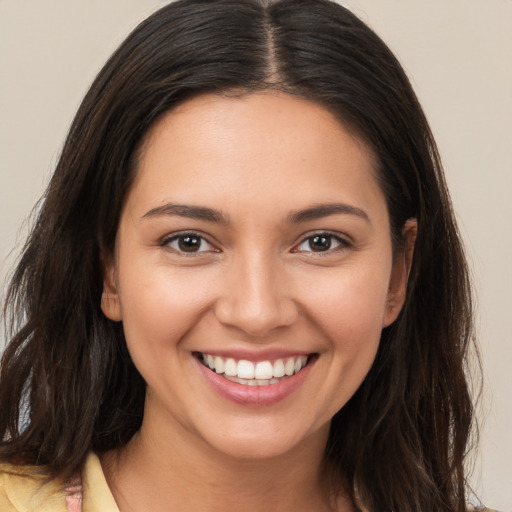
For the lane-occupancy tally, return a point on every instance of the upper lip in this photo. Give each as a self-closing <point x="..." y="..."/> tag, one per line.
<point x="267" y="354"/>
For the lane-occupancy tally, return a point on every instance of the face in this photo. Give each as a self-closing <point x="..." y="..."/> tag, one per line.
<point x="253" y="272"/>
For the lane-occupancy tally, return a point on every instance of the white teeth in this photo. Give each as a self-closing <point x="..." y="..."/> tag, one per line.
<point x="262" y="373"/>
<point x="245" y="369"/>
<point x="219" y="365"/>
<point x="253" y="382"/>
<point x="278" y="370"/>
<point x="289" y="367"/>
<point x="264" y="370"/>
<point x="230" y="368"/>
<point x="300" y="363"/>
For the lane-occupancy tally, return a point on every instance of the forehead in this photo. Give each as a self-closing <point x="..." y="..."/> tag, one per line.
<point x="280" y="114"/>
<point x="256" y="145"/>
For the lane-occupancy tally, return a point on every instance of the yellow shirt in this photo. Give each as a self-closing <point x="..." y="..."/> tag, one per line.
<point x="22" y="490"/>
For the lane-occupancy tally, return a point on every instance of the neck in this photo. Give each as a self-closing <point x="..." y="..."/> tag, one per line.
<point x="180" y="472"/>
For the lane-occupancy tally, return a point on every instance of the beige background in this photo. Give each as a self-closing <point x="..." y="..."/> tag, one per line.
<point x="458" y="54"/>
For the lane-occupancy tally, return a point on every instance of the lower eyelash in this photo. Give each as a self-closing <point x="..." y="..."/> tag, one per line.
<point x="165" y="242"/>
<point x="343" y="243"/>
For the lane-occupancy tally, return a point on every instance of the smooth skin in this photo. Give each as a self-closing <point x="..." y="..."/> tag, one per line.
<point x="236" y="267"/>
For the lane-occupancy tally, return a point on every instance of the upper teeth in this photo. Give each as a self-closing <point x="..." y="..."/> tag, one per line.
<point x="264" y="370"/>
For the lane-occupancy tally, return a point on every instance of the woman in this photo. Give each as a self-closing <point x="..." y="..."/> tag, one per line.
<point x="245" y="287"/>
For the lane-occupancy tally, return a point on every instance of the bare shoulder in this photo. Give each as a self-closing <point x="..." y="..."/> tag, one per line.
<point x="25" y="489"/>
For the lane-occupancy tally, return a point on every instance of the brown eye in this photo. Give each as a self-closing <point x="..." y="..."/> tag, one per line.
<point x="188" y="243"/>
<point x="321" y="242"/>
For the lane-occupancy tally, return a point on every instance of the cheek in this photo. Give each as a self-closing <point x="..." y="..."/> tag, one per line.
<point x="159" y="305"/>
<point x="348" y="311"/>
<point x="350" y="300"/>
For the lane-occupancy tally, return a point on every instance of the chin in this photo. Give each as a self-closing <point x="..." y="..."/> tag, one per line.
<point x="259" y="443"/>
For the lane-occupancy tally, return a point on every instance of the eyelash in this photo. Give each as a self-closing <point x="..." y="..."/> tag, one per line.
<point x="329" y="237"/>
<point x="177" y="237"/>
<point x="342" y="243"/>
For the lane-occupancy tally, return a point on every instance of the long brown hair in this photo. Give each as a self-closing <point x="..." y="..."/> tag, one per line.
<point x="68" y="385"/>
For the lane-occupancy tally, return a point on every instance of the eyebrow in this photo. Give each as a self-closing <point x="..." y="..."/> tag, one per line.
<point x="211" y="215"/>
<point x="324" y="210"/>
<point x="191" y="212"/>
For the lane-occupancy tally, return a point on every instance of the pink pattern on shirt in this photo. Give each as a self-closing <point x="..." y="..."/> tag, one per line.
<point x="74" y="493"/>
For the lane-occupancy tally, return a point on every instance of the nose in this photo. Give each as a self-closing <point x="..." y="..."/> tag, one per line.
<point x="256" y="298"/>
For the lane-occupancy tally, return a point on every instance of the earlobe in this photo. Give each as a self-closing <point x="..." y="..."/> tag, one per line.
<point x="110" y="304"/>
<point x="400" y="273"/>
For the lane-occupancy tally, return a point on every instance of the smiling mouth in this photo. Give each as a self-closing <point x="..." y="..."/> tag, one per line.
<point x="261" y="373"/>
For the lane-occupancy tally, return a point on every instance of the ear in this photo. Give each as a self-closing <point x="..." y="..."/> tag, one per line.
<point x="402" y="262"/>
<point x="110" y="304"/>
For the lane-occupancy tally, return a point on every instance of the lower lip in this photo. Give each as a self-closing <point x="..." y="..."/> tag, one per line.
<point x="254" y="395"/>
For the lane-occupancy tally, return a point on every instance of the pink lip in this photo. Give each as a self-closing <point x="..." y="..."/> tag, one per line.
<point x="254" y="395"/>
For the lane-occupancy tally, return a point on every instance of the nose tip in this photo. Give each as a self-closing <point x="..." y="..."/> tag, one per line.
<point x="256" y="304"/>
<point x="255" y="320"/>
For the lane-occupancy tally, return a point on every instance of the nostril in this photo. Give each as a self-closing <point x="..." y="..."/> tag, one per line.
<point x="256" y="318"/>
